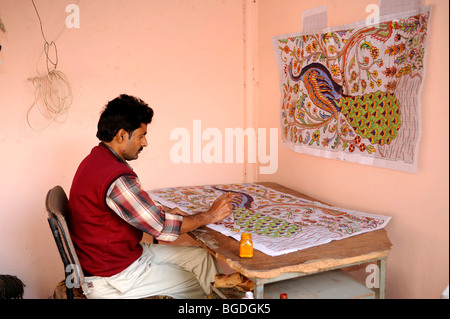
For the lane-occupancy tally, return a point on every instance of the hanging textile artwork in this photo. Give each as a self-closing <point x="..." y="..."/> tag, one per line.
<point x="279" y="223"/>
<point x="353" y="92"/>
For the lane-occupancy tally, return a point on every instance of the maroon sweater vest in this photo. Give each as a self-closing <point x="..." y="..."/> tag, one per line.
<point x="104" y="242"/>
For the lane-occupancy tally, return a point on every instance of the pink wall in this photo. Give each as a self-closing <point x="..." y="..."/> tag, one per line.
<point x="188" y="60"/>
<point x="419" y="203"/>
<point x="184" y="58"/>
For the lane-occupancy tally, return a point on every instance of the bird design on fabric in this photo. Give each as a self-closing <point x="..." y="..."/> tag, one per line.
<point x="374" y="116"/>
<point x="247" y="220"/>
<point x="239" y="199"/>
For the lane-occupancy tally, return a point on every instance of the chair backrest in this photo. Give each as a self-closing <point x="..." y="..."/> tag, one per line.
<point x="57" y="207"/>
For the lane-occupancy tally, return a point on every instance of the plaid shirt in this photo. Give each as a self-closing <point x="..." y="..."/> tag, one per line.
<point x="126" y="197"/>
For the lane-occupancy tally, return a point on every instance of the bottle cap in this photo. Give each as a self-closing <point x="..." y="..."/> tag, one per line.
<point x="248" y="295"/>
<point x="283" y="295"/>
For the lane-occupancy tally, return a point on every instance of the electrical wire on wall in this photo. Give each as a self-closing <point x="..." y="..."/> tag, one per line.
<point x="2" y="29"/>
<point x="53" y="94"/>
<point x="2" y="26"/>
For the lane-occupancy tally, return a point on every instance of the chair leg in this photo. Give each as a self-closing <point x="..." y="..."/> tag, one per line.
<point x="69" y="292"/>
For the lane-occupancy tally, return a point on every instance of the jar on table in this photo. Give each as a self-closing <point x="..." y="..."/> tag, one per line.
<point x="246" y="246"/>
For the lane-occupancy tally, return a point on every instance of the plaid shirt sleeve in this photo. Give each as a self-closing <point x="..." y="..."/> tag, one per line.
<point x="126" y="197"/>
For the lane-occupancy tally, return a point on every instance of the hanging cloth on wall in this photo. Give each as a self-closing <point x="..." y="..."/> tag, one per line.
<point x="353" y="92"/>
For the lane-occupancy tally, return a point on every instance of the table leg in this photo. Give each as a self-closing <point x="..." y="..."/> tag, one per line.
<point x="258" y="289"/>
<point x="380" y="292"/>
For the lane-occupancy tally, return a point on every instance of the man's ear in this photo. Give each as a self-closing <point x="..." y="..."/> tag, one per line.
<point x="121" y="136"/>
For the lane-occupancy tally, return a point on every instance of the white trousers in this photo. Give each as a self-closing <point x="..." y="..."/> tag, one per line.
<point x="176" y="271"/>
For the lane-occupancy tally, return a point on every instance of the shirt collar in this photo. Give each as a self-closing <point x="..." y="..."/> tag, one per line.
<point x="120" y="159"/>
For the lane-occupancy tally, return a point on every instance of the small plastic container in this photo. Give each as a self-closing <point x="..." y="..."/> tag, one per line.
<point x="246" y="246"/>
<point x="248" y="295"/>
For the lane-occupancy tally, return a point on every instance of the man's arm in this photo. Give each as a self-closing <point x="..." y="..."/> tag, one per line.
<point x="220" y="209"/>
<point x="127" y="199"/>
<point x="131" y="203"/>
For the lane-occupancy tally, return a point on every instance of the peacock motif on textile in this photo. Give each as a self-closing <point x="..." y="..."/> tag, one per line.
<point x="245" y="219"/>
<point x="373" y="116"/>
<point x="280" y="222"/>
<point x="354" y="91"/>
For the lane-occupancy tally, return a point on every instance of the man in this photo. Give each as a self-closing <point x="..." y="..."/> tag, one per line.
<point x="109" y="211"/>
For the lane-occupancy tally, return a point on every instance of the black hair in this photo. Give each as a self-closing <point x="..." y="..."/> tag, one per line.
<point x="124" y="112"/>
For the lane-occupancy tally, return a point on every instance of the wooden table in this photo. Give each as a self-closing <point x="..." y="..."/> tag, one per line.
<point x="262" y="269"/>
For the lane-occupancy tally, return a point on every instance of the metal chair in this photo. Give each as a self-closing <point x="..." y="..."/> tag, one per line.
<point x="56" y="204"/>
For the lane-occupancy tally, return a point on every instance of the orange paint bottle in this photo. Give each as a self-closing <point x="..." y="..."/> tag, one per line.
<point x="246" y="246"/>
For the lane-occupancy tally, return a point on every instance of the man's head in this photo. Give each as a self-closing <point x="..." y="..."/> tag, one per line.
<point x="123" y="125"/>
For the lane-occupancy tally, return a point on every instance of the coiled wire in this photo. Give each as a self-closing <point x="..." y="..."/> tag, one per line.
<point x="53" y="94"/>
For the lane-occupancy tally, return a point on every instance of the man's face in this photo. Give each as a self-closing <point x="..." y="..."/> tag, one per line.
<point x="135" y="144"/>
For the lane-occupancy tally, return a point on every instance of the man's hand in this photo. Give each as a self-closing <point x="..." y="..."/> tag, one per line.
<point x="220" y="209"/>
